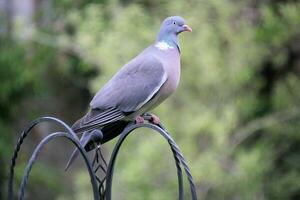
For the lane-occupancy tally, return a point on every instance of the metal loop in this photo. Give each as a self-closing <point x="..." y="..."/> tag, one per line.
<point x="176" y="153"/>
<point x="36" y="153"/>
<point x="21" y="140"/>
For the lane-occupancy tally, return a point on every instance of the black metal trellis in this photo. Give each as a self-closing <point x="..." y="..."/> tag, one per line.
<point x="101" y="186"/>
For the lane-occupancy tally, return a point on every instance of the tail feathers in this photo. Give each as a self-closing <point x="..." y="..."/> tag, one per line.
<point x="103" y="135"/>
<point x="85" y="140"/>
<point x="72" y="158"/>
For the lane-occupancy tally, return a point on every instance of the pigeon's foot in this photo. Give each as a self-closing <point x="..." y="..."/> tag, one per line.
<point x="139" y="120"/>
<point x="154" y="119"/>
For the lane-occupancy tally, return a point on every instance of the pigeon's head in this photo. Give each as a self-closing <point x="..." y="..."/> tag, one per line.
<point x="174" y="25"/>
<point x="171" y="27"/>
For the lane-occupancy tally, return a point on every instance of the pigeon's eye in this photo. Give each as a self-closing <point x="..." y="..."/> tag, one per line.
<point x="174" y="22"/>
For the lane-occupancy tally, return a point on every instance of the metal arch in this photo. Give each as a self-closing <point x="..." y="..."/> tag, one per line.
<point x="36" y="153"/>
<point x="100" y="192"/>
<point x="176" y="153"/>
<point x="179" y="154"/>
<point x="21" y="140"/>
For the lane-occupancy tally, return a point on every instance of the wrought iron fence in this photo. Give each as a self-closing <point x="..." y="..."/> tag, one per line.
<point x="101" y="185"/>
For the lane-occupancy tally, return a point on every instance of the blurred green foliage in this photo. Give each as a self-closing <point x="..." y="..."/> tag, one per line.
<point x="235" y="115"/>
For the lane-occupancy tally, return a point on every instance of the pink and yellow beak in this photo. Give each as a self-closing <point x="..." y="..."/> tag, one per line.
<point x="187" y="28"/>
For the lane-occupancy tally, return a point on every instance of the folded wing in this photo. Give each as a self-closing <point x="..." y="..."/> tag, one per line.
<point x="131" y="88"/>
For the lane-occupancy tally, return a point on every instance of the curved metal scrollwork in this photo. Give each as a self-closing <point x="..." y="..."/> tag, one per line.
<point x="101" y="187"/>
<point x="69" y="134"/>
<point x="179" y="159"/>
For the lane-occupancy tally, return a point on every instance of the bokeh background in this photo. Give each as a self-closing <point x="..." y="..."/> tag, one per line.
<point x="236" y="114"/>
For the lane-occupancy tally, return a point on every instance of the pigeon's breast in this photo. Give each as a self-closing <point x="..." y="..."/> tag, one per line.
<point x="170" y="59"/>
<point x="171" y="63"/>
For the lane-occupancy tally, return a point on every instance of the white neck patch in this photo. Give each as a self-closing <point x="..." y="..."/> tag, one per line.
<point x="163" y="46"/>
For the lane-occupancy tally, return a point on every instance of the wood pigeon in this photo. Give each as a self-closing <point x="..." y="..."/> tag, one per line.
<point x="139" y="86"/>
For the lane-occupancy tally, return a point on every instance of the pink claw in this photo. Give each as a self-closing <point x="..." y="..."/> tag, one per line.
<point x="155" y="119"/>
<point x="139" y="120"/>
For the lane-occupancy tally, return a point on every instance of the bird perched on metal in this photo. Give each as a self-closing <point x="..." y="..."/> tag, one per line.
<point x="139" y="86"/>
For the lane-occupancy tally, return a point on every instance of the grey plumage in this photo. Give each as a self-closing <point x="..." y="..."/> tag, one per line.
<point x="138" y="86"/>
<point x="130" y="88"/>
